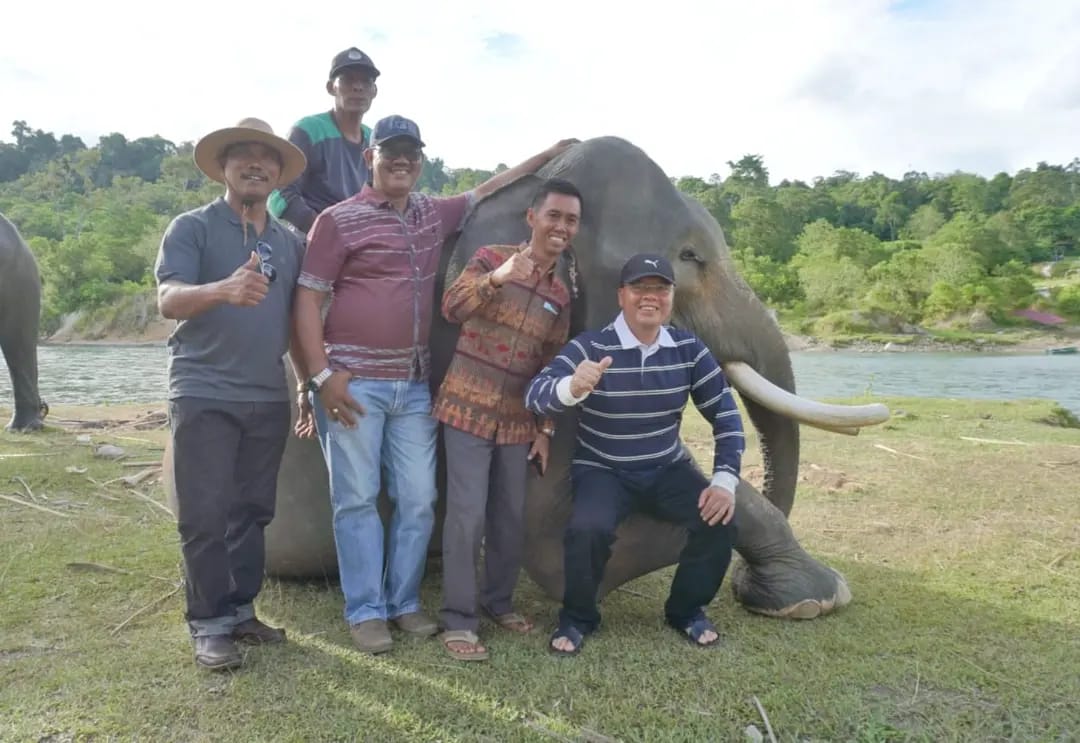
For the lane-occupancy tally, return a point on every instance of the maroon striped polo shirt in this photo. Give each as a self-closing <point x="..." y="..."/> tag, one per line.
<point x="380" y="265"/>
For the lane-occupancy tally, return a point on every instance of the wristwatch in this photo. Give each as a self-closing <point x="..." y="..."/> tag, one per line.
<point x="549" y="431"/>
<point x="315" y="383"/>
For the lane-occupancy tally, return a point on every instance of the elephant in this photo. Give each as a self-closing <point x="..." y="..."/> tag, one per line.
<point x="629" y="206"/>
<point x="20" y="315"/>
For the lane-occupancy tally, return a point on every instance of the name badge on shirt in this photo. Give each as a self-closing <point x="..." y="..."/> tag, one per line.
<point x="551" y="308"/>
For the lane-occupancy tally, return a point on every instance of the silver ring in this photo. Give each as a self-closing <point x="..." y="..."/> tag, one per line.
<point x="334" y="411"/>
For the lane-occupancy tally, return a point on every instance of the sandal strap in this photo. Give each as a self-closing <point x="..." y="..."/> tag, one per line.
<point x="460" y="635"/>
<point x="570" y="632"/>
<point x="699" y="626"/>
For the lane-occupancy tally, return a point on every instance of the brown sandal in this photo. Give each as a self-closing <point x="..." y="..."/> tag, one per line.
<point x="466" y="636"/>
<point x="512" y="622"/>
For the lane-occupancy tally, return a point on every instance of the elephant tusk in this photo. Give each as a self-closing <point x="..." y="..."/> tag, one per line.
<point x="837" y="429"/>
<point x="836" y="418"/>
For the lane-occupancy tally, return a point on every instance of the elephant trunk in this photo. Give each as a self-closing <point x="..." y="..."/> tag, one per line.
<point x="740" y="330"/>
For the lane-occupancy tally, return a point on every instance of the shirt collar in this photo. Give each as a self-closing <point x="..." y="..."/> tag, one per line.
<point x="628" y="340"/>
<point x="375" y="197"/>
<point x="224" y="210"/>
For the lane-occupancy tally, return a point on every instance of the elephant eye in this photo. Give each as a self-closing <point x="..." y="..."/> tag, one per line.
<point x="689" y="254"/>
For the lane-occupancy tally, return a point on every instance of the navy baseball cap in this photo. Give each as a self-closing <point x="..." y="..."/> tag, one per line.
<point x="351" y="57"/>
<point x="392" y="127"/>
<point x="643" y="265"/>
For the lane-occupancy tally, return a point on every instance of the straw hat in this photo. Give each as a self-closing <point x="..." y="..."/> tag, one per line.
<point x="210" y="148"/>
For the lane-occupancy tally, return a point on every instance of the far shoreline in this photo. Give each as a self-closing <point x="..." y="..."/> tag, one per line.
<point x="917" y="344"/>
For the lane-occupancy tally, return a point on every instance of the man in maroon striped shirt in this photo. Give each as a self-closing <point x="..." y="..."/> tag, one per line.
<point x="376" y="255"/>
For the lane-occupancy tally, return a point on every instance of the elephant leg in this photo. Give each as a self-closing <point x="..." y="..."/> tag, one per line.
<point x="775" y="576"/>
<point x="20" y="353"/>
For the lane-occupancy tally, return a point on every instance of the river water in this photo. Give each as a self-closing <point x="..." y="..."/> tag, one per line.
<point x="95" y="374"/>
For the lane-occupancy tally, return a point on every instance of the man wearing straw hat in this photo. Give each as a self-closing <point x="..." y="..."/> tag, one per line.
<point x="226" y="273"/>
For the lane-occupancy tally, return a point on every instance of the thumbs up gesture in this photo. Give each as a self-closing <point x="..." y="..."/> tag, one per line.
<point x="246" y="287"/>
<point x="587" y="376"/>
<point x="517" y="267"/>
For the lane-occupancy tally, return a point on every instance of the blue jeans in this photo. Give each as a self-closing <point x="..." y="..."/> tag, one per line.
<point x="396" y="435"/>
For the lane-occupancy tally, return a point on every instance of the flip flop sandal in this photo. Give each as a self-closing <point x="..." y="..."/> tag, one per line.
<point x="462" y="635"/>
<point x="695" y="628"/>
<point x="568" y="632"/>
<point x="510" y="621"/>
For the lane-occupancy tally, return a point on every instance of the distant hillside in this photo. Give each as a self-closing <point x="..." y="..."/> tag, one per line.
<point x="843" y="254"/>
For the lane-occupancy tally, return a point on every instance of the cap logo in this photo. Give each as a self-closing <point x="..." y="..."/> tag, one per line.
<point x="654" y="264"/>
<point x="356" y="55"/>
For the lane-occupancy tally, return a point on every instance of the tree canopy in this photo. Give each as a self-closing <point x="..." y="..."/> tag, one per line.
<point x="919" y="249"/>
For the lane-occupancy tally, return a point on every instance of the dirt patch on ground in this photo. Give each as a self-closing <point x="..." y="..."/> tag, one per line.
<point x="814" y="475"/>
<point x="131" y="417"/>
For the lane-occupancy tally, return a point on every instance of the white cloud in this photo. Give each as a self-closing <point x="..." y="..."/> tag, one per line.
<point x="816" y="86"/>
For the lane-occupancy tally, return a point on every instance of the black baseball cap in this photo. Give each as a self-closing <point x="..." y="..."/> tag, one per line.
<point x="351" y="57"/>
<point x="647" y="264"/>
<point x="392" y="127"/>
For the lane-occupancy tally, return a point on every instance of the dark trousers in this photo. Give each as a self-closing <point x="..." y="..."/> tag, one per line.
<point x="485" y="501"/>
<point x="602" y="499"/>
<point x="226" y="457"/>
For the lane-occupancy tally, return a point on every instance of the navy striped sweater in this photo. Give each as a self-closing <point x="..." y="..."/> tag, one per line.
<point x="631" y="419"/>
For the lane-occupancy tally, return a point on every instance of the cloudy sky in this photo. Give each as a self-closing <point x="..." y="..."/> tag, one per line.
<point x="813" y="86"/>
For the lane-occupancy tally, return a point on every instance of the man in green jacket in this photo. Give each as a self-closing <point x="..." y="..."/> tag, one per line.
<point x="333" y="143"/>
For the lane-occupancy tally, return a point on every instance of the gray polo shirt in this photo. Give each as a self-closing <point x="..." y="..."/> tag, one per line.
<point x="228" y="352"/>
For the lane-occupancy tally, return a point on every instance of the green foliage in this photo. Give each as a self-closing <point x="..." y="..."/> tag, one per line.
<point x="916" y="249"/>
<point x="1067" y="300"/>
<point x="94" y="217"/>
<point x="775" y="283"/>
<point x="1062" y="418"/>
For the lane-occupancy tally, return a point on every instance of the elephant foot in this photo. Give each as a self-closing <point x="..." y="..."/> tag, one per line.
<point x="789" y="586"/>
<point x="25" y="423"/>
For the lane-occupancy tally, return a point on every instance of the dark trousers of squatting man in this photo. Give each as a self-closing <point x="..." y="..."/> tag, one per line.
<point x="602" y="499"/>
<point x="226" y="457"/>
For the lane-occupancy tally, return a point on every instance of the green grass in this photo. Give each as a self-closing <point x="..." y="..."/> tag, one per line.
<point x="963" y="558"/>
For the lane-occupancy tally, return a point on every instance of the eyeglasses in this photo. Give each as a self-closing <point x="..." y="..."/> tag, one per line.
<point x="394" y="150"/>
<point x="659" y="289"/>
<point x="265" y="252"/>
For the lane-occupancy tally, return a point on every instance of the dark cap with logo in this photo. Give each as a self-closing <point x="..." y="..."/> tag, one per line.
<point x="392" y="127"/>
<point x="644" y="265"/>
<point x="351" y="57"/>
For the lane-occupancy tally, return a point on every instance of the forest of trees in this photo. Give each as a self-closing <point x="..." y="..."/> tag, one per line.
<point x="847" y="252"/>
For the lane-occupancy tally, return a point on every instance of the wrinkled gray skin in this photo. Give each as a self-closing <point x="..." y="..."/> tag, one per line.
<point x="630" y="206"/>
<point x="20" y="314"/>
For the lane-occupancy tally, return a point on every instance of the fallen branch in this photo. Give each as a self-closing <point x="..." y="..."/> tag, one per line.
<point x="1058" y="560"/>
<point x="900" y="453"/>
<point x="13" y="456"/>
<point x="765" y="719"/>
<point x="29" y="492"/>
<point x="133" y="480"/>
<point x="1070" y="463"/>
<point x="132" y="438"/>
<point x="533" y="725"/>
<point x="21" y="502"/>
<point x="148" y="607"/>
<point x="153" y="502"/>
<point x="632" y="592"/>
<point x="142" y="464"/>
<point x="97" y="567"/>
<point x="995" y="441"/>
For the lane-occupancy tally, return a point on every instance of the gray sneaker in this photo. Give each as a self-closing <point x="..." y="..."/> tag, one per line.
<point x="417" y="624"/>
<point x="372" y="636"/>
